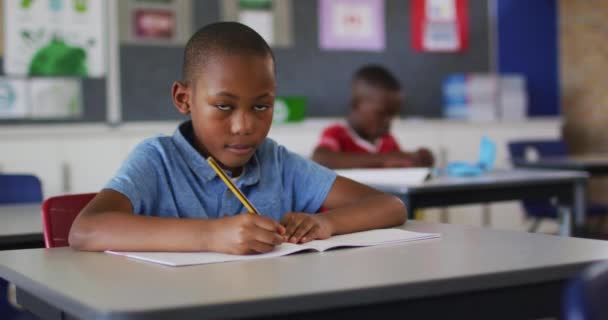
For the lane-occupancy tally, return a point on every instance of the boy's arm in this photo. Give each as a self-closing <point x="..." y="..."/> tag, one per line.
<point x="352" y="207"/>
<point x="345" y="160"/>
<point x="357" y="207"/>
<point x="108" y="223"/>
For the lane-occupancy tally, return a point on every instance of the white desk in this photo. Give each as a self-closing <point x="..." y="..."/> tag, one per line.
<point x="20" y="226"/>
<point x="594" y="164"/>
<point x="471" y="273"/>
<point x="568" y="187"/>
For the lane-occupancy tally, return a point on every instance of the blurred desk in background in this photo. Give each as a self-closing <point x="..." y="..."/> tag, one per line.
<point x="20" y="227"/>
<point x="568" y="187"/>
<point x="594" y="164"/>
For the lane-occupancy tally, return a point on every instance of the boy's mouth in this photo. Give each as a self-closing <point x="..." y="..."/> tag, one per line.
<point x="240" y="149"/>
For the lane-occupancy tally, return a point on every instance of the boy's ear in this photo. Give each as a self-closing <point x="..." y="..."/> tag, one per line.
<point x="180" y="92"/>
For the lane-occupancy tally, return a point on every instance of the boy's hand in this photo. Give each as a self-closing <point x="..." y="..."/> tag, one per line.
<point x="421" y="158"/>
<point x="424" y="157"/>
<point x="247" y="233"/>
<point x="398" y="159"/>
<point x="302" y="227"/>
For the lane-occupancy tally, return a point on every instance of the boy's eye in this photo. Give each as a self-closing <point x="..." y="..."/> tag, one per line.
<point x="260" y="107"/>
<point x="223" y="107"/>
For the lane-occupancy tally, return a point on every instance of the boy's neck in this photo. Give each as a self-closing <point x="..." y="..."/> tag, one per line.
<point x="352" y="124"/>
<point x="200" y="147"/>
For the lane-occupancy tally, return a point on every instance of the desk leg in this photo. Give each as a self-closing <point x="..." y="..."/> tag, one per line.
<point x="572" y="217"/>
<point x="565" y="220"/>
<point x="579" y="203"/>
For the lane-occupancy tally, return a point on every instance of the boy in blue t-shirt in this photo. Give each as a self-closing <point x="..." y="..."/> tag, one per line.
<point x="166" y="197"/>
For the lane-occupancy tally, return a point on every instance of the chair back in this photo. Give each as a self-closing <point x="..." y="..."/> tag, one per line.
<point x="529" y="150"/>
<point x="20" y="188"/>
<point x="543" y="148"/>
<point x="58" y="214"/>
<point x="585" y="295"/>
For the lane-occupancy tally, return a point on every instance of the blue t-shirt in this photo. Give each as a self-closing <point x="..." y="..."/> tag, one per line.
<point x="167" y="177"/>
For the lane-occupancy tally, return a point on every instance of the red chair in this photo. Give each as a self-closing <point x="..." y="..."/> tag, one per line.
<point x="58" y="214"/>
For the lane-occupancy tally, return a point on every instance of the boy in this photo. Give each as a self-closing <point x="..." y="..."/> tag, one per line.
<point x="365" y="140"/>
<point x="166" y="197"/>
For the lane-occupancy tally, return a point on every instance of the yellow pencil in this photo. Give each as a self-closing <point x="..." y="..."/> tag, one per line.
<point x="237" y="193"/>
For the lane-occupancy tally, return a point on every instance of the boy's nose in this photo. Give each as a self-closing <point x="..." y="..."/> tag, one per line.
<point x="242" y="124"/>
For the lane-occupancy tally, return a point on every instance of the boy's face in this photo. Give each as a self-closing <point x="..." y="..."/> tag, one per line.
<point x="374" y="109"/>
<point x="231" y="105"/>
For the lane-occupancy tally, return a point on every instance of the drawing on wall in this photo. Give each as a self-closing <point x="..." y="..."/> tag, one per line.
<point x="55" y="98"/>
<point x="439" y="25"/>
<point x="352" y="25"/>
<point x="40" y="98"/>
<point x="55" y="38"/>
<point x="155" y="22"/>
<point x="271" y="19"/>
<point x="13" y="98"/>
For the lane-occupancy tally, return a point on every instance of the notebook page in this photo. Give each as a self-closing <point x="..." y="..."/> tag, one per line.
<point x="357" y="239"/>
<point x="369" y="238"/>
<point x="177" y="259"/>
<point x="401" y="177"/>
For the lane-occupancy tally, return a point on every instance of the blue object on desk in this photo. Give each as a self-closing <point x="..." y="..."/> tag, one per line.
<point x="487" y="156"/>
<point x="585" y="295"/>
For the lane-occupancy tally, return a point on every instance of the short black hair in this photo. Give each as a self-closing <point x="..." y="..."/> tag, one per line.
<point x="223" y="38"/>
<point x="377" y="76"/>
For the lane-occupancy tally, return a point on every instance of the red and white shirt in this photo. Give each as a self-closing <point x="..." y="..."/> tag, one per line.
<point x="342" y="138"/>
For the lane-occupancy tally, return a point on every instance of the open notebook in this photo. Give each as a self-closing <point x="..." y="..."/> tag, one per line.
<point x="357" y="239"/>
<point x="397" y="177"/>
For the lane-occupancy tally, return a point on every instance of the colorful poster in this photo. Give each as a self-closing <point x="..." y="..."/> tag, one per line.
<point x="439" y="25"/>
<point x="13" y="98"/>
<point x="271" y="19"/>
<point x="352" y="25"/>
<point x="55" y="38"/>
<point x="258" y="15"/>
<point x="155" y="22"/>
<point x="55" y="98"/>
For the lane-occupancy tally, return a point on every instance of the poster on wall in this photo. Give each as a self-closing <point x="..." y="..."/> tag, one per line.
<point x="55" y="38"/>
<point x="155" y="22"/>
<point x="55" y="98"/>
<point x="352" y="25"/>
<point x="272" y="19"/>
<point x="40" y="98"/>
<point x="13" y="98"/>
<point x="439" y="25"/>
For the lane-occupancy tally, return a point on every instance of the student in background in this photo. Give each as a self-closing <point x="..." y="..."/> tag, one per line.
<point x="365" y="139"/>
<point x="166" y="197"/>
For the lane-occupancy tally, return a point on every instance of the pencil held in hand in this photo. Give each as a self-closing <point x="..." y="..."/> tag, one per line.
<point x="237" y="193"/>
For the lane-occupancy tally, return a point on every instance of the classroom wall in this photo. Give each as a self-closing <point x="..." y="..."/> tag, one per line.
<point x="321" y="76"/>
<point x="584" y="75"/>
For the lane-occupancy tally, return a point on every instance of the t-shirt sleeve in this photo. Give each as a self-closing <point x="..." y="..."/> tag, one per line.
<point x="330" y="139"/>
<point x="309" y="181"/>
<point x="137" y="178"/>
